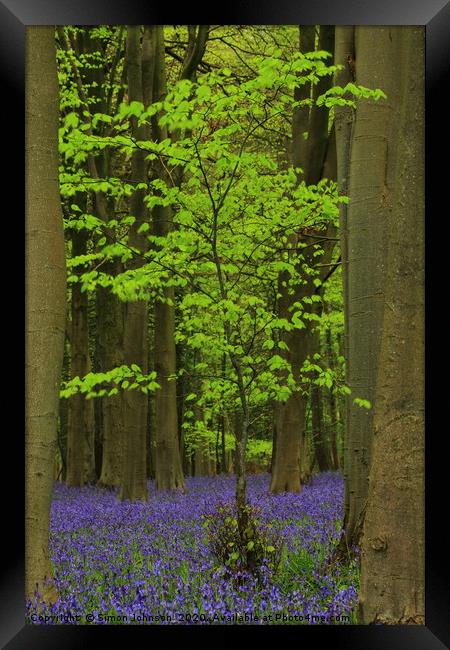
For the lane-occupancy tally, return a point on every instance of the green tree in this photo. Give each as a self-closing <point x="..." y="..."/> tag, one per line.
<point x="315" y="155"/>
<point x="227" y="214"/>
<point x="230" y="273"/>
<point x="88" y="91"/>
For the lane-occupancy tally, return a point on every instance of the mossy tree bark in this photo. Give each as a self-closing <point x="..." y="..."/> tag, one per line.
<point x="45" y="310"/>
<point x="392" y="575"/>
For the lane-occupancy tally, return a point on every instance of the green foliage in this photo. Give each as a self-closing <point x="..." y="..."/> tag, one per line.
<point x="259" y="451"/>
<point x="197" y="434"/>
<point x="234" y="205"/>
<point x="346" y="96"/>
<point x="363" y="403"/>
<point x="295" y="568"/>
<point x="239" y="541"/>
<point x="99" y="384"/>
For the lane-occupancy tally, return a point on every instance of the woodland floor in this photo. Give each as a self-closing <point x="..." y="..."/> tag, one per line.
<point x="135" y="562"/>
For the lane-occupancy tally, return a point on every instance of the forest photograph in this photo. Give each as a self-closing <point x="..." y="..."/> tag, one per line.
<point x="224" y="325"/>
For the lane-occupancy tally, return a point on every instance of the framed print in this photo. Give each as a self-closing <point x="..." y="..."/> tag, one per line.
<point x="234" y="243"/>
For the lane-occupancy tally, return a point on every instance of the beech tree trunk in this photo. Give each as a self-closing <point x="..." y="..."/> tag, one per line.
<point x="81" y="424"/>
<point x="202" y="462"/>
<point x="371" y="183"/>
<point x="289" y="469"/>
<point x="321" y="448"/>
<point x="392" y="575"/>
<point x="64" y="410"/>
<point x="134" y="475"/>
<point x="344" y="55"/>
<point x="332" y="407"/>
<point x="45" y="309"/>
<point x="109" y="351"/>
<point x="169" y="471"/>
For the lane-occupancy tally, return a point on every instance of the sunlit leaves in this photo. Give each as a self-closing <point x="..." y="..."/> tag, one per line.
<point x="348" y="94"/>
<point x="363" y="403"/>
<point x="236" y="211"/>
<point x="100" y="384"/>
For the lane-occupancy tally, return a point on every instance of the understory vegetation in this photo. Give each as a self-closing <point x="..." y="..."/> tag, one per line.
<point x="157" y="559"/>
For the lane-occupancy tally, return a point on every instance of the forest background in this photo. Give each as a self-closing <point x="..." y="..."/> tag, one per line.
<point x="229" y="310"/>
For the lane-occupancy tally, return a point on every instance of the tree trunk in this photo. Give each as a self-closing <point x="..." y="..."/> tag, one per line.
<point x="392" y="576"/>
<point x="241" y="480"/>
<point x="80" y="435"/>
<point x="134" y="475"/>
<point x="371" y="183"/>
<point x="45" y="312"/>
<point x="332" y="407"/>
<point x="201" y="459"/>
<point x="344" y="55"/>
<point x="227" y="453"/>
<point x="290" y="415"/>
<point x="109" y="310"/>
<point x="197" y="40"/>
<point x="109" y="352"/>
<point x="201" y="453"/>
<point x="321" y="449"/>
<point x="169" y="471"/>
<point x="64" y="410"/>
<point x="150" y="402"/>
<point x="316" y="156"/>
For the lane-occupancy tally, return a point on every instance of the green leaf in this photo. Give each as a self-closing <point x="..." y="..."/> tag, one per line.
<point x="144" y="227"/>
<point x="363" y="403"/>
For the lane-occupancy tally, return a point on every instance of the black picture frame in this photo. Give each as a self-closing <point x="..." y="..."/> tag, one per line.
<point x="15" y="15"/>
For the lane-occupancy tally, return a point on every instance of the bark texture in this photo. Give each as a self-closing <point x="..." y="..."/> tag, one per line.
<point x="290" y="464"/>
<point x="169" y="471"/>
<point x="81" y="424"/>
<point x="392" y="577"/>
<point x="332" y="407"/>
<point x="321" y="448"/>
<point x="372" y="181"/>
<point x="109" y="352"/>
<point x="197" y="40"/>
<point x="344" y="55"/>
<point x="45" y="309"/>
<point x="134" y="475"/>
